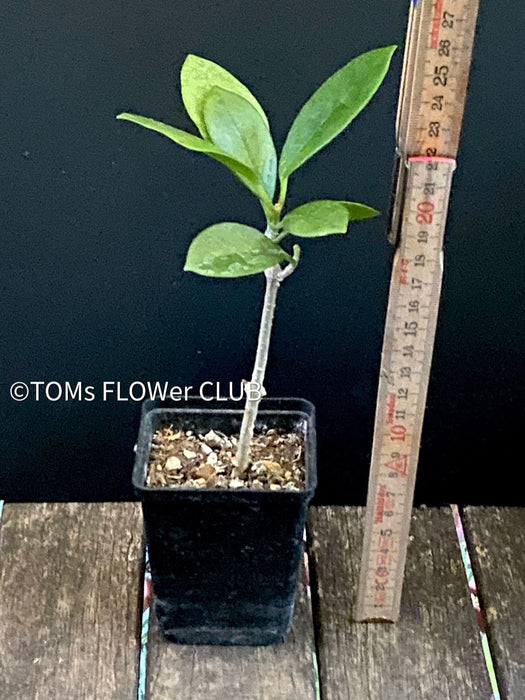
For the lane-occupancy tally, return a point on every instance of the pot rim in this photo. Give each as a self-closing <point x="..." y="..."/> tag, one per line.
<point x="304" y="410"/>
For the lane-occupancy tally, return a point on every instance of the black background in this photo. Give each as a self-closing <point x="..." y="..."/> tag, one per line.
<point x="97" y="215"/>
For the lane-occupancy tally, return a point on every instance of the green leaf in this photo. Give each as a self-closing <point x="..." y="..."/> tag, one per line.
<point x="183" y="138"/>
<point x="333" y="106"/>
<point x="246" y="176"/>
<point x="198" y="76"/>
<point x="325" y="216"/>
<point x="232" y="250"/>
<point x="195" y="143"/>
<point x="238" y="129"/>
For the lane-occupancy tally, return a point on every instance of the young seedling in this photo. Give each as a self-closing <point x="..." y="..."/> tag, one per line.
<point x="234" y="130"/>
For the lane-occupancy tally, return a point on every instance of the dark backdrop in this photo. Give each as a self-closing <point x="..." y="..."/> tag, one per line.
<point x="97" y="215"/>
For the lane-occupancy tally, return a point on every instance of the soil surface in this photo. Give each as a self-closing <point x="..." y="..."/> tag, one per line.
<point x="188" y="460"/>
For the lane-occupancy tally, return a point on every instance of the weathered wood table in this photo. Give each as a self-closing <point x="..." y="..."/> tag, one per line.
<point x="71" y="590"/>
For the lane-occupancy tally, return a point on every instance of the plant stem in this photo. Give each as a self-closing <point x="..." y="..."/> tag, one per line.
<point x="273" y="280"/>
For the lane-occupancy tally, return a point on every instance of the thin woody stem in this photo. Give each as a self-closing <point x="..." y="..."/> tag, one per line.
<point x="273" y="280"/>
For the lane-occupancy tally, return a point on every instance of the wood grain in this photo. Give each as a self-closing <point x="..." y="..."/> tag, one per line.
<point x="70" y="584"/>
<point x="497" y="543"/>
<point x="432" y="653"/>
<point x="281" y="672"/>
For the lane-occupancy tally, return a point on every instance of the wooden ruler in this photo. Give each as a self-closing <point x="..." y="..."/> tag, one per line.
<point x="433" y="90"/>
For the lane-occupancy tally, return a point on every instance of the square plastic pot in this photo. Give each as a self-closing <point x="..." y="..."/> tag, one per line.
<point x="225" y="562"/>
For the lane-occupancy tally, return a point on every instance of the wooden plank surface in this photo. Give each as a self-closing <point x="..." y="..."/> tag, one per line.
<point x="497" y="542"/>
<point x="432" y="653"/>
<point x="70" y="585"/>
<point x="280" y="672"/>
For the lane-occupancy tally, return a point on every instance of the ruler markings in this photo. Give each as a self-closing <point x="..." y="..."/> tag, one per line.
<point x="415" y="287"/>
<point x="437" y="59"/>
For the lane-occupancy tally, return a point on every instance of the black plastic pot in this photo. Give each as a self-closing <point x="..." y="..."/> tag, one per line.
<point x="225" y="562"/>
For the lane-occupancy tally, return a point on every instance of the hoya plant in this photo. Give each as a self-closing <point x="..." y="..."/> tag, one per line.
<point x="234" y="130"/>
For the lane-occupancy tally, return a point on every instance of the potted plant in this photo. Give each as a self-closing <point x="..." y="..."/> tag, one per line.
<point x="224" y="490"/>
